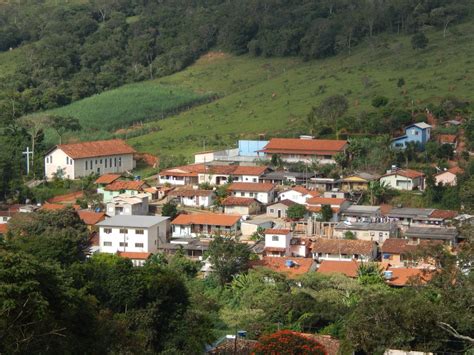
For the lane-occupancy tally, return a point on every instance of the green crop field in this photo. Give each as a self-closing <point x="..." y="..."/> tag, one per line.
<point x="273" y="96"/>
<point x="101" y="115"/>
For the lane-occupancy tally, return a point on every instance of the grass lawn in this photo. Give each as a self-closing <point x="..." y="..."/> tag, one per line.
<point x="272" y="96"/>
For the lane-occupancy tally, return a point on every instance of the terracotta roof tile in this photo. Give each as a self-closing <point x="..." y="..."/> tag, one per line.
<point x="239" y="201"/>
<point x="304" y="146"/>
<point x="408" y="173"/>
<point x="406" y="276"/>
<point x="3" y="228"/>
<point x="249" y="170"/>
<point x="404" y="246"/>
<point x="185" y="170"/>
<point x="348" y="268"/>
<point x="447" y="138"/>
<point x="456" y="170"/>
<point x="96" y="148"/>
<point x="277" y="231"/>
<point x="91" y="218"/>
<point x="278" y="264"/>
<point x="274" y="249"/>
<point x="343" y="246"/>
<point x="206" y="218"/>
<point x="136" y="185"/>
<point x="443" y="214"/>
<point x="285" y="202"/>
<point x="134" y="255"/>
<point x="107" y="178"/>
<point x="325" y="201"/>
<point x="385" y="209"/>
<point x="248" y="186"/>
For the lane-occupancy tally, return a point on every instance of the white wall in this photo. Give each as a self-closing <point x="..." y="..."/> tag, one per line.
<point x="263" y="197"/>
<point x="58" y="163"/>
<point x="282" y="242"/>
<point x="294" y="196"/>
<point x="247" y="178"/>
<point x="241" y="210"/>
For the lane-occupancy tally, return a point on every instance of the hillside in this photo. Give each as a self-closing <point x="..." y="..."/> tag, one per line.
<point x="273" y="96"/>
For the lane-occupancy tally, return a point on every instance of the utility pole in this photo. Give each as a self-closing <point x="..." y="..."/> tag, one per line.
<point x="28" y="152"/>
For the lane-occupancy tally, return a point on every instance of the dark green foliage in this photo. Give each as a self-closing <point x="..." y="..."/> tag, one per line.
<point x="419" y="41"/>
<point x="296" y="211"/>
<point x="326" y="213"/>
<point x="170" y="210"/>
<point x="379" y="101"/>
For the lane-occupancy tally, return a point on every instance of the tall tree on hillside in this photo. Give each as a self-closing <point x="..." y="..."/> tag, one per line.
<point x="63" y="124"/>
<point x="331" y="109"/>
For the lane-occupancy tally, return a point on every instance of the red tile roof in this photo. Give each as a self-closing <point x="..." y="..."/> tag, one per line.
<point x="304" y="146"/>
<point x="71" y="197"/>
<point x="277" y="231"/>
<point x="456" y="170"/>
<point x="96" y="148"/>
<point x="185" y="170"/>
<point x="319" y="208"/>
<point x="405" y="246"/>
<point x="443" y="214"/>
<point x="407" y="276"/>
<point x="285" y="202"/>
<point x="137" y="185"/>
<point x="278" y="264"/>
<point x="220" y="169"/>
<point x="91" y="218"/>
<point x="134" y="255"/>
<point x="250" y="170"/>
<point x="408" y="173"/>
<point x="385" y="209"/>
<point x="253" y="187"/>
<point x="343" y="246"/>
<point x="3" y="228"/>
<point x="304" y="191"/>
<point x="107" y="178"/>
<point x="348" y="268"/>
<point x="239" y="201"/>
<point x="447" y="138"/>
<point x="190" y="192"/>
<point x="325" y="201"/>
<point x="206" y="218"/>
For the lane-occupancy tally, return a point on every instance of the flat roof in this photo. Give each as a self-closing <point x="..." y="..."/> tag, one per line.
<point x="410" y="212"/>
<point x="365" y="226"/>
<point x="362" y="209"/>
<point x="432" y="232"/>
<point x="132" y="221"/>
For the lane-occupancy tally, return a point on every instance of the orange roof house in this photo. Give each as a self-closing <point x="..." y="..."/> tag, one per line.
<point x="308" y="147"/>
<point x="82" y="159"/>
<point x="343" y="249"/>
<point x="91" y="218"/>
<point x="408" y="276"/>
<point x="205" y="224"/>
<point x="107" y="179"/>
<point x="348" y="268"/>
<point x="449" y="177"/>
<point x="404" y="179"/>
<point x="251" y="187"/>
<point x="290" y="266"/>
<point x="136" y="185"/>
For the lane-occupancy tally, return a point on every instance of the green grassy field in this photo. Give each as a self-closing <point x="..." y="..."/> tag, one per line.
<point x="102" y="114"/>
<point x="9" y="60"/>
<point x="272" y="96"/>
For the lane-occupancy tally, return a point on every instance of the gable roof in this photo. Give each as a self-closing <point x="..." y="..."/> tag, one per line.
<point x="206" y="218"/>
<point x="134" y="255"/>
<point x="96" y="148"/>
<point x="107" y="178"/>
<point x="348" y="268"/>
<point x="239" y="201"/>
<point x="342" y="246"/>
<point x="408" y="173"/>
<point x="456" y="170"/>
<point x="404" y="246"/>
<point x="432" y="233"/>
<point x="135" y="185"/>
<point x="325" y="201"/>
<point x="249" y="170"/>
<point x="404" y="276"/>
<point x="190" y="192"/>
<point x="285" y="202"/>
<point x="277" y="231"/>
<point x="249" y="186"/>
<point x="91" y="218"/>
<point x="304" y="146"/>
<point x="443" y="214"/>
<point x="184" y="170"/>
<point x="300" y="265"/>
<point x="421" y="125"/>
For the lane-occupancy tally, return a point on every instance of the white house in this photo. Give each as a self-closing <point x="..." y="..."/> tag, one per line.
<point x="205" y="224"/>
<point x="342" y="249"/>
<point x="262" y="192"/>
<point x="374" y="232"/>
<point x="404" y="179"/>
<point x="127" y="205"/>
<point x="136" y="234"/>
<point x="249" y="173"/>
<point x="244" y="206"/>
<point x="277" y="242"/>
<point x="76" y="160"/>
<point x="193" y="197"/>
<point x="297" y="194"/>
<point x="181" y="175"/>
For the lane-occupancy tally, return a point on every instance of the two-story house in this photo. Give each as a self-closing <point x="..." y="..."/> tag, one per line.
<point x="193" y="197"/>
<point x="262" y="192"/>
<point x="76" y="160"/>
<point x="205" y="224"/>
<point x="132" y="234"/>
<point x="417" y="133"/>
<point x="126" y="205"/>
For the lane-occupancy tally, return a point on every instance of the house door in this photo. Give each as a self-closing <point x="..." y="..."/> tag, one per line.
<point x="279" y="213"/>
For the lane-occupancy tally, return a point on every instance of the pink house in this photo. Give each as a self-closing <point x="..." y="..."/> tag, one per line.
<point x="448" y="177"/>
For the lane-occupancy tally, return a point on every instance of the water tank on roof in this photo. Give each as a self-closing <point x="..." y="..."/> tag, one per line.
<point x="388" y="275"/>
<point x="242" y="333"/>
<point x="289" y="263"/>
<point x="137" y="178"/>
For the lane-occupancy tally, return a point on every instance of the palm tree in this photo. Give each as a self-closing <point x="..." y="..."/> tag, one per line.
<point x="378" y="191"/>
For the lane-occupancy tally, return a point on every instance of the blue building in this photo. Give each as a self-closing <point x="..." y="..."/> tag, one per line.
<point x="418" y="133"/>
<point x="250" y="148"/>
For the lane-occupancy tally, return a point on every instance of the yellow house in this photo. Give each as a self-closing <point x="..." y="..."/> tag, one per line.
<point x="356" y="182"/>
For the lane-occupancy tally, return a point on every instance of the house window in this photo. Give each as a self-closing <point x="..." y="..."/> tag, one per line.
<point x="96" y="162"/>
<point x="107" y="230"/>
<point x="106" y="163"/>
<point x="120" y="161"/>
<point x="86" y="164"/>
<point x="242" y="194"/>
<point x="254" y="179"/>
<point x="275" y="238"/>
<point x="110" y="162"/>
<point x="115" y="161"/>
<point x="123" y="230"/>
<point x="251" y="194"/>
<point x="138" y="245"/>
<point x="122" y="244"/>
<point x="139" y="231"/>
<point x="101" y="161"/>
<point x="107" y="244"/>
<point x="272" y="210"/>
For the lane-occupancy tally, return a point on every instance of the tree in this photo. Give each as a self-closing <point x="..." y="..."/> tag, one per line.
<point x="296" y="211"/>
<point x="379" y="101"/>
<point x="170" y="210"/>
<point x="288" y="342"/>
<point x="378" y="191"/>
<point x="326" y="213"/>
<point x="466" y="195"/>
<point x="419" y="41"/>
<point x="276" y="161"/>
<point x="51" y="235"/>
<point x="370" y="273"/>
<point x="349" y="235"/>
<point x="228" y="258"/>
<point x="332" y="108"/>
<point x="63" y="124"/>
